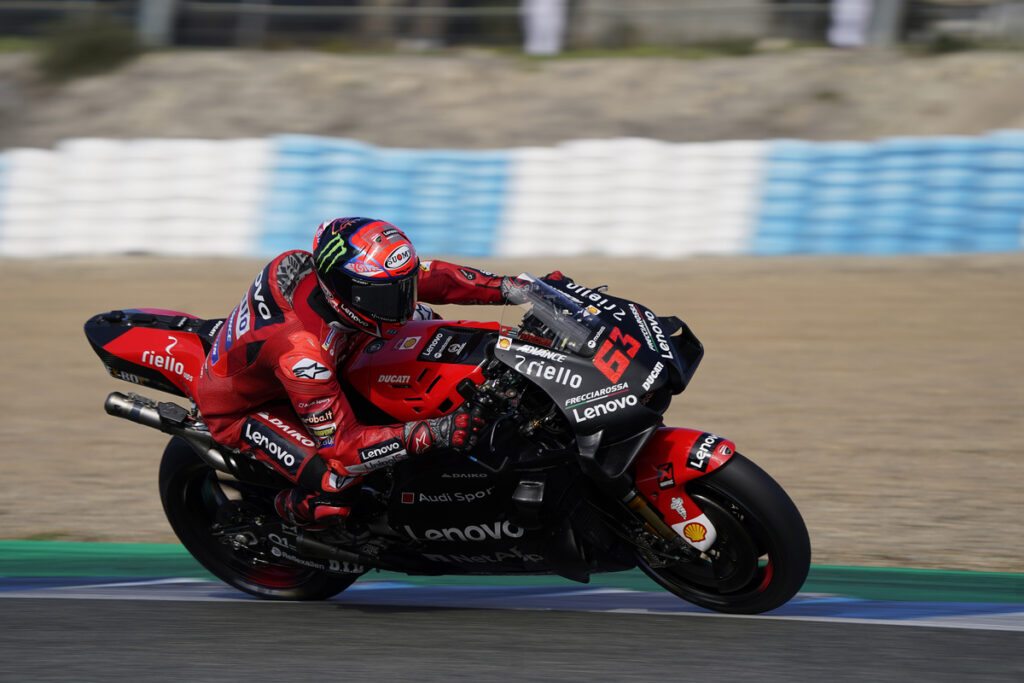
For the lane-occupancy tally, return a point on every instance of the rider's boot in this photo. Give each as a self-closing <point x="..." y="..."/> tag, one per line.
<point x="311" y="509"/>
<point x="321" y="499"/>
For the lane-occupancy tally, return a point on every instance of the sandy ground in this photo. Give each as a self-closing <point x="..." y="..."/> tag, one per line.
<point x="478" y="99"/>
<point x="885" y="395"/>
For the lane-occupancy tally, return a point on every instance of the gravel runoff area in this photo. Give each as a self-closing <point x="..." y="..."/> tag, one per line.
<point x="884" y="394"/>
<point x="480" y="99"/>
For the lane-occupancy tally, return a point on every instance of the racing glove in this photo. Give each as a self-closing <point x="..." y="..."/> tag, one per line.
<point x="509" y="287"/>
<point x="458" y="430"/>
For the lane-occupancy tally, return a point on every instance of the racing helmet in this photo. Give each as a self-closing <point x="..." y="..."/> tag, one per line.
<point x="368" y="271"/>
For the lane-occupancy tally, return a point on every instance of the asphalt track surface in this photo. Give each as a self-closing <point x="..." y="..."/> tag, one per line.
<point x="197" y="630"/>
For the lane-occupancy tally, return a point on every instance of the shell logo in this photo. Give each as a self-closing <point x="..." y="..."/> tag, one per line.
<point x="695" y="532"/>
<point x="504" y="343"/>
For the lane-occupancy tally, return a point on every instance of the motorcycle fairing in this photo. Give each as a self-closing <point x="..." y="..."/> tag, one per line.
<point x="458" y="517"/>
<point x="626" y="365"/>
<point x="588" y="399"/>
<point x="415" y="375"/>
<point x="669" y="339"/>
<point x="461" y="519"/>
<point x="672" y="457"/>
<point x="152" y="347"/>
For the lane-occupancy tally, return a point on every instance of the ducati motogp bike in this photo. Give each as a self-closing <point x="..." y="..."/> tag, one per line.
<point x="576" y="474"/>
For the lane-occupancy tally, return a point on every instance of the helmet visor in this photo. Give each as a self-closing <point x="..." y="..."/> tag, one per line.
<point x="386" y="301"/>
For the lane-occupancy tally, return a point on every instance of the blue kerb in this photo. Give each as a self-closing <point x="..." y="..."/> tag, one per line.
<point x="894" y="196"/>
<point x="447" y="201"/>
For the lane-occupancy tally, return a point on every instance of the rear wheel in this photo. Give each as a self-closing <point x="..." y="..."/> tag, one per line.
<point x="762" y="553"/>
<point x="196" y="502"/>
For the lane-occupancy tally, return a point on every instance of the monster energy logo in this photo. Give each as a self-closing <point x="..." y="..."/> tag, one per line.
<point x="332" y="251"/>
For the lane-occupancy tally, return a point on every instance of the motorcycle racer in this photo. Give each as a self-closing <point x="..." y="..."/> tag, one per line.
<point x="269" y="385"/>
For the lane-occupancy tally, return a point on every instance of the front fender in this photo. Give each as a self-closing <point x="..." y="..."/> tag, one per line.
<point x="672" y="457"/>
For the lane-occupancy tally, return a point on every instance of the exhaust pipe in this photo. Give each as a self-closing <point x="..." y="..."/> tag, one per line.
<point x="146" y="412"/>
<point x="136" y="409"/>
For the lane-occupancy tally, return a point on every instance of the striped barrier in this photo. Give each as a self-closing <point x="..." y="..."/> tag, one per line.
<point x="895" y="196"/>
<point x="632" y="197"/>
<point x="448" y="201"/>
<point x="619" y="197"/>
<point x="174" y="197"/>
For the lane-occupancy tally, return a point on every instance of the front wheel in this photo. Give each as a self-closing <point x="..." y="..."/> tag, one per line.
<point x="193" y="495"/>
<point x="762" y="554"/>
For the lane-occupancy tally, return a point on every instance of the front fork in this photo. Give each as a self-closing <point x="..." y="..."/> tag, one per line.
<point x="673" y="457"/>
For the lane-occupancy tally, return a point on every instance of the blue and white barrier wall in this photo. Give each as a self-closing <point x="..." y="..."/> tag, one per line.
<point x="621" y="197"/>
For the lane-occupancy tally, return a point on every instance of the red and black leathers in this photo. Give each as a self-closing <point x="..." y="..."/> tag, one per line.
<point x="269" y="384"/>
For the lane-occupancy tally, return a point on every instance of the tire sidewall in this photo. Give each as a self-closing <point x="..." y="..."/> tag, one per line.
<point x="179" y="468"/>
<point x="759" y="496"/>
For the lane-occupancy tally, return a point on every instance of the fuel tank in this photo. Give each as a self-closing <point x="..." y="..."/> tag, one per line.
<point x="415" y="375"/>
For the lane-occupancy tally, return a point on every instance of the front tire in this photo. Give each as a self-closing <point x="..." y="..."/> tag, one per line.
<point x="192" y="494"/>
<point x="762" y="554"/>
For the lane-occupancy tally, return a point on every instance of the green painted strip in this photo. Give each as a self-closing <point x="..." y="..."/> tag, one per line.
<point x="120" y="560"/>
<point x="129" y="560"/>
<point x="916" y="585"/>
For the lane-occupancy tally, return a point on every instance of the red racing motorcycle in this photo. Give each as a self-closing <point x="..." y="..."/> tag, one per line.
<point x="575" y="475"/>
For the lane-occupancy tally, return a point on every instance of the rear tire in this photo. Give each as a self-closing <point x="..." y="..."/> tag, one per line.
<point x="192" y="494"/>
<point x="762" y="553"/>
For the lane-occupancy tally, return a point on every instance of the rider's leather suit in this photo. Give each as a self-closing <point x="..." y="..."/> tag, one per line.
<point x="270" y="384"/>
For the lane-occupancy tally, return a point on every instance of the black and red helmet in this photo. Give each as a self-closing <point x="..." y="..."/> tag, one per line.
<point x="368" y="271"/>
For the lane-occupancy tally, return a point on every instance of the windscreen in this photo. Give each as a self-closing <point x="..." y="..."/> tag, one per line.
<point x="551" y="315"/>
